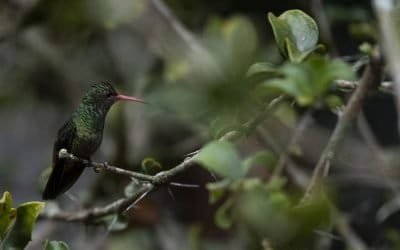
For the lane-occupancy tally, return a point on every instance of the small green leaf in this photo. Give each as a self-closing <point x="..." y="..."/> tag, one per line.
<point x="151" y="166"/>
<point x="20" y="232"/>
<point x="262" y="158"/>
<point x="366" y="48"/>
<point x="251" y="184"/>
<point x="55" y="245"/>
<point x="217" y="190"/>
<point x="333" y="101"/>
<point x="262" y="68"/>
<point x="7" y="213"/>
<point x="222" y="217"/>
<point x="296" y="34"/>
<point x="221" y="157"/>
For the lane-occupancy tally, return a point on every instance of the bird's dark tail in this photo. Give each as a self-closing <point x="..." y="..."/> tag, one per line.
<point x="62" y="177"/>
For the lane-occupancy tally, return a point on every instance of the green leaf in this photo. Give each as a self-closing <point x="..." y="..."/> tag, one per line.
<point x="222" y="158"/>
<point x="55" y="245"/>
<point x="225" y="39"/>
<point x="222" y="217"/>
<point x="309" y="81"/>
<point x="217" y="190"/>
<point x="262" y="158"/>
<point x="333" y="101"/>
<point x="296" y="34"/>
<point x="7" y="213"/>
<point x="151" y="166"/>
<point x="286" y="114"/>
<point x="262" y="68"/>
<point x="20" y="232"/>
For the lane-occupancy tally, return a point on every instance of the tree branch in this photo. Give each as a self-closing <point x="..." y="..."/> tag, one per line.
<point x="148" y="183"/>
<point x="371" y="77"/>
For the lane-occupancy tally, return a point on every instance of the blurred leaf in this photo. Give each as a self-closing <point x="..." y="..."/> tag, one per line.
<point x="262" y="158"/>
<point x="276" y="184"/>
<point x="151" y="166"/>
<point x="286" y="114"/>
<point x="296" y="34"/>
<point x="225" y="40"/>
<point x="262" y="68"/>
<point x="55" y="245"/>
<point x="366" y="48"/>
<point x="309" y="81"/>
<point x="222" y="158"/>
<point x="20" y="232"/>
<point x="334" y="101"/>
<point x="257" y="206"/>
<point x="7" y="213"/>
<point x="250" y="184"/>
<point x="289" y="226"/>
<point x="113" y="13"/>
<point x="217" y="190"/>
<point x="223" y="124"/>
<point x="222" y="217"/>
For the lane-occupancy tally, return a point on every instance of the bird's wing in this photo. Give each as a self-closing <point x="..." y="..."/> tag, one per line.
<point x="65" y="137"/>
<point x="64" y="172"/>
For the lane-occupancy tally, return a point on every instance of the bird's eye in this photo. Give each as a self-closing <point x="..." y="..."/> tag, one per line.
<point x="109" y="94"/>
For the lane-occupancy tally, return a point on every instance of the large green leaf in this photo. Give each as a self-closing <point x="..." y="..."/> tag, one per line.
<point x="55" y="245"/>
<point x="296" y="34"/>
<point x="20" y="232"/>
<point x="222" y="158"/>
<point x="7" y="213"/>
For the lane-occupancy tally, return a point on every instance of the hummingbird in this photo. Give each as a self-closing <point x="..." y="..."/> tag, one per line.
<point x="81" y="136"/>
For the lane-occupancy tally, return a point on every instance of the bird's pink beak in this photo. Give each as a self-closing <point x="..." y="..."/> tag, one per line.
<point x="120" y="97"/>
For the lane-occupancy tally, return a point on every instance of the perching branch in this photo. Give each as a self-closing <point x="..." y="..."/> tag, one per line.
<point x="86" y="215"/>
<point x="148" y="183"/>
<point x="371" y="77"/>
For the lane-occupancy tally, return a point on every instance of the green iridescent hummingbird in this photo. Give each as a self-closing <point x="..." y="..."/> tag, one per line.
<point x="81" y="135"/>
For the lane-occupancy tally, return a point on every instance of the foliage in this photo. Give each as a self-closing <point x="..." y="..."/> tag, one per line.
<point x="55" y="245"/>
<point x="296" y="34"/>
<point x="17" y="223"/>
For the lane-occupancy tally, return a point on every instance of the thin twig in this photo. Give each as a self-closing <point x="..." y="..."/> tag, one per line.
<point x="304" y="122"/>
<point x="371" y="77"/>
<point x="373" y="144"/>
<point x="87" y="215"/>
<point x="317" y="8"/>
<point x="388" y="22"/>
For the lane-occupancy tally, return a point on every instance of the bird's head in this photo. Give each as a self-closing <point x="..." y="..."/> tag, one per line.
<point x="103" y="95"/>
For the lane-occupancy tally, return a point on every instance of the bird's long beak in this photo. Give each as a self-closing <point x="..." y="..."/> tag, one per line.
<point x="120" y="97"/>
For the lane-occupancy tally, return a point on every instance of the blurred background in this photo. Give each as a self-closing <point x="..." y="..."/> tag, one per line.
<point x="188" y="60"/>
